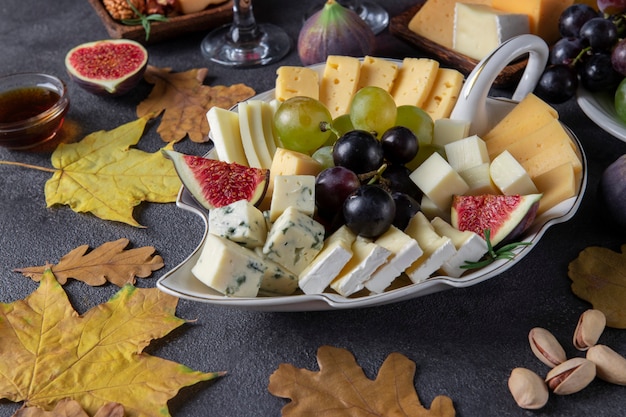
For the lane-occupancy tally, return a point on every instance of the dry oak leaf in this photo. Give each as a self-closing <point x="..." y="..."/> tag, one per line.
<point x="103" y="175"/>
<point x="599" y="276"/>
<point x="185" y="100"/>
<point x="341" y="388"/>
<point x="71" y="408"/>
<point x="108" y="262"/>
<point x="48" y="352"/>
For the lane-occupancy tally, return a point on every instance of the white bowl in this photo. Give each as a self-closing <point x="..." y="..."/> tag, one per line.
<point x="600" y="108"/>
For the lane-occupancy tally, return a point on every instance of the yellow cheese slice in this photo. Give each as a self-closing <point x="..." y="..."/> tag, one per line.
<point x="556" y="185"/>
<point x="377" y="72"/>
<point x="535" y="142"/>
<point x="294" y="81"/>
<point x="551" y="157"/>
<point x="444" y="94"/>
<point x="339" y="83"/>
<point x="414" y="81"/>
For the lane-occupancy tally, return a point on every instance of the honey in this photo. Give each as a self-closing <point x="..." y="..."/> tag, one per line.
<point x="23" y="103"/>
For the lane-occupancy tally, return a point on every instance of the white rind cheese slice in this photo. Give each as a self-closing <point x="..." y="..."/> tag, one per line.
<point x="240" y="222"/>
<point x="437" y="249"/>
<point x="335" y="254"/>
<point x="294" y="240"/>
<point x="229" y="268"/>
<point x="470" y="247"/>
<point x="366" y="258"/>
<point x="404" y="251"/>
<point x="224" y="125"/>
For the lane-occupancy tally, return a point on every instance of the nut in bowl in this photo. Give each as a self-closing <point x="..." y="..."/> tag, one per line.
<point x="32" y="109"/>
<point x="418" y="279"/>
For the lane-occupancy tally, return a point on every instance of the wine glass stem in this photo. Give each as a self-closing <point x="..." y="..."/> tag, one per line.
<point x="244" y="27"/>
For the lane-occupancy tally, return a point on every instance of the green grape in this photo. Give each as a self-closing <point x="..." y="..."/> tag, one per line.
<point x="416" y="119"/>
<point x="340" y="126"/>
<point x="373" y="110"/>
<point x="298" y="123"/>
<point x="620" y="100"/>
<point x="324" y="156"/>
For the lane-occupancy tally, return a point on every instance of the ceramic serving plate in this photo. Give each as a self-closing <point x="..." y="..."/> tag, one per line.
<point x="600" y="108"/>
<point x="180" y="281"/>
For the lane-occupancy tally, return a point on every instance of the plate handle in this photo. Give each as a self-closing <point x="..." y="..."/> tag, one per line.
<point x="472" y="102"/>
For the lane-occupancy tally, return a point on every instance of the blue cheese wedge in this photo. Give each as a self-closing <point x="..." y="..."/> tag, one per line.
<point x="437" y="249"/>
<point x="404" y="251"/>
<point x="470" y="247"/>
<point x="276" y="281"/>
<point x="366" y="258"/>
<point x="335" y="254"/>
<point x="294" y="240"/>
<point x="293" y="191"/>
<point x="240" y="222"/>
<point x="229" y="268"/>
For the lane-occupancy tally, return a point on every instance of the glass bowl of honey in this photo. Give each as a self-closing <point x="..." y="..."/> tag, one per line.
<point x="32" y="109"/>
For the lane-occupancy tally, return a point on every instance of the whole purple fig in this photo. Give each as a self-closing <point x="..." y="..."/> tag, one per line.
<point x="334" y="30"/>
<point x="613" y="190"/>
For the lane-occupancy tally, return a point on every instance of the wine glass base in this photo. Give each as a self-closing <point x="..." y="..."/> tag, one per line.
<point x="271" y="45"/>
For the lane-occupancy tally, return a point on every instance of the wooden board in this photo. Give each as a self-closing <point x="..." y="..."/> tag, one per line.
<point x="204" y="20"/>
<point x="399" y="26"/>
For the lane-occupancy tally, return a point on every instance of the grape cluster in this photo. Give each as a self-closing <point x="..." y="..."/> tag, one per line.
<point x="590" y="52"/>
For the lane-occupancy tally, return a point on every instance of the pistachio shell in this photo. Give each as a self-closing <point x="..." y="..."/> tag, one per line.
<point x="590" y="326"/>
<point x="610" y="365"/>
<point x="545" y="346"/>
<point x="571" y="376"/>
<point x="528" y="389"/>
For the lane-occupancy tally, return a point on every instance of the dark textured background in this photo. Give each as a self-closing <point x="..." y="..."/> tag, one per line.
<point x="464" y="342"/>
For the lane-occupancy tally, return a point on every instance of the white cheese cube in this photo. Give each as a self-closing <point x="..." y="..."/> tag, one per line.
<point x="240" y="222"/>
<point x="479" y="29"/>
<point x="294" y="240"/>
<point x="335" y="254"/>
<point x="447" y="130"/>
<point x="366" y="258"/>
<point x="404" y="251"/>
<point x="437" y="249"/>
<point x="478" y="179"/>
<point x="431" y="211"/>
<point x="510" y="176"/>
<point x="276" y="280"/>
<point x="293" y="190"/>
<point x="439" y="181"/>
<point x="229" y="268"/>
<point x="466" y="153"/>
<point x="470" y="247"/>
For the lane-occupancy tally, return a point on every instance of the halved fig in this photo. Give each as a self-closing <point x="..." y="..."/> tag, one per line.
<point x="107" y="67"/>
<point x="506" y="216"/>
<point x="216" y="183"/>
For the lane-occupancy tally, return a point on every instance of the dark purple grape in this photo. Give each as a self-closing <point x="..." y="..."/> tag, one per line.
<point x="406" y="208"/>
<point x="557" y="84"/>
<point x="399" y="144"/>
<point x="618" y="57"/>
<point x="599" y="33"/>
<point x="573" y="18"/>
<point x="358" y="151"/>
<point x="565" y="51"/>
<point x="332" y="186"/>
<point x="398" y="177"/>
<point x="597" y="74"/>
<point x="369" y="211"/>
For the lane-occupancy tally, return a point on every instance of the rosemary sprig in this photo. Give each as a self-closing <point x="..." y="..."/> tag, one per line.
<point x="143" y="19"/>
<point x="504" y="252"/>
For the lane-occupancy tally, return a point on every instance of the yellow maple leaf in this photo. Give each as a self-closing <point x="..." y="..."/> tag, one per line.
<point x="185" y="101"/>
<point x="50" y="353"/>
<point x="341" y="389"/>
<point x="71" y="408"/>
<point x="103" y="175"/>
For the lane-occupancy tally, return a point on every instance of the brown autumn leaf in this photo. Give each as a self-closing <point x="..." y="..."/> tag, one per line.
<point x="71" y="408"/>
<point x="50" y="352"/>
<point x="185" y="100"/>
<point x="109" y="262"/>
<point x="599" y="276"/>
<point x="342" y="386"/>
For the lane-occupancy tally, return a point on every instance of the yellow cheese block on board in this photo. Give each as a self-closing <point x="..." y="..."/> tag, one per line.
<point x="556" y="185"/>
<point x="543" y="15"/>
<point x="435" y="20"/>
<point x="378" y="72"/>
<point x="339" y="83"/>
<point x="296" y="81"/>
<point x="414" y="81"/>
<point x="444" y="93"/>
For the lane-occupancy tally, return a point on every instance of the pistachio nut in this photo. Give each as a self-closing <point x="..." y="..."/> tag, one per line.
<point x="545" y="346"/>
<point x="571" y="376"/>
<point x="528" y="389"/>
<point x="610" y="365"/>
<point x="590" y="326"/>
